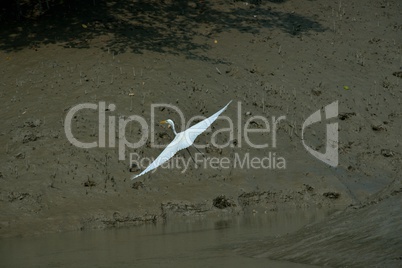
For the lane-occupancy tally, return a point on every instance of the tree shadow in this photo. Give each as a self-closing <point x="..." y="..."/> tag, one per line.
<point x="174" y="27"/>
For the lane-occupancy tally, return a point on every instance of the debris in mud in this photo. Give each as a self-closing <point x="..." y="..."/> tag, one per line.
<point x="222" y="202"/>
<point x="397" y="74"/>
<point x="28" y="137"/>
<point x="32" y="123"/>
<point x="378" y="127"/>
<point x="13" y="196"/>
<point x="397" y="191"/>
<point x="374" y="40"/>
<point x="104" y="221"/>
<point x="137" y="185"/>
<point x="387" y="84"/>
<point x="332" y="195"/>
<point x="246" y="199"/>
<point x="253" y="70"/>
<point x="266" y="197"/>
<point x="316" y="92"/>
<point x="213" y="149"/>
<point x="184" y="209"/>
<point x="89" y="183"/>
<point x="20" y="156"/>
<point x="344" y="116"/>
<point x="387" y="153"/>
<point x="309" y="188"/>
<point x="163" y="135"/>
<point x="54" y="134"/>
<point x="235" y="142"/>
<point x="134" y="168"/>
<point x="255" y="124"/>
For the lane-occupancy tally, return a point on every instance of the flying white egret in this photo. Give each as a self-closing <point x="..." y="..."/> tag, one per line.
<point x="182" y="140"/>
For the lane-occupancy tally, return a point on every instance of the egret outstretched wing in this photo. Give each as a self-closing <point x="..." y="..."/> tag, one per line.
<point x="182" y="140"/>
<point x="193" y="132"/>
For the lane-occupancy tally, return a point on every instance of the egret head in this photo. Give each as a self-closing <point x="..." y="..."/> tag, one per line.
<point x="169" y="122"/>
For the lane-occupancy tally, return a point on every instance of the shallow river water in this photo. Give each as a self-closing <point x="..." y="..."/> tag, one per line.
<point x="183" y="242"/>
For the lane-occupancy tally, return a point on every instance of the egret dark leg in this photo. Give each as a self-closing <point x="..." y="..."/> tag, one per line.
<point x="191" y="155"/>
<point x="199" y="152"/>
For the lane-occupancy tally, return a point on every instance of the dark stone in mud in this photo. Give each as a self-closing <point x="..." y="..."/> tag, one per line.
<point x="32" y="123"/>
<point x="28" y="137"/>
<point x="397" y="191"/>
<point x="387" y="153"/>
<point x="344" y="116"/>
<point x="332" y="195"/>
<point x="397" y="74"/>
<point x="20" y="156"/>
<point x="316" y="92"/>
<point x="137" y="185"/>
<point x="89" y="183"/>
<point x="134" y="168"/>
<point x="13" y="196"/>
<point x="222" y="202"/>
<point x="378" y="127"/>
<point x="309" y="188"/>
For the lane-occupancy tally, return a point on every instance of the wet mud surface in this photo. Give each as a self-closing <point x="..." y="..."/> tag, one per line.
<point x="274" y="58"/>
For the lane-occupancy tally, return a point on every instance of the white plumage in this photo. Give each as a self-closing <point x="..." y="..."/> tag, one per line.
<point x="182" y="140"/>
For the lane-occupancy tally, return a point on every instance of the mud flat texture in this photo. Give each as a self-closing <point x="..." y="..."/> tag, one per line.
<point x="272" y="58"/>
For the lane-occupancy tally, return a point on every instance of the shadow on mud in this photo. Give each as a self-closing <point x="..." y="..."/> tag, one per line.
<point x="174" y="27"/>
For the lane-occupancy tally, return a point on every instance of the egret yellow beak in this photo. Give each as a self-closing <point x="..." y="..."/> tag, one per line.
<point x="164" y="122"/>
